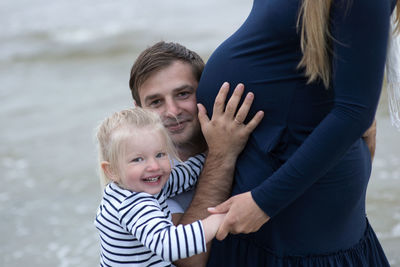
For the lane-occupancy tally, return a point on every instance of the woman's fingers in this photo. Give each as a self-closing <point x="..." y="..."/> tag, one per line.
<point x="243" y="216"/>
<point x="221" y="208"/>
<point x="223" y="231"/>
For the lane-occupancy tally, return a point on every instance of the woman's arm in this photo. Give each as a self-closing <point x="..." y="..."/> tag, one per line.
<point x="360" y="34"/>
<point x="359" y="53"/>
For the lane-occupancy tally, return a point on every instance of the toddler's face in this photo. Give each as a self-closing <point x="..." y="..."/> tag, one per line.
<point x="146" y="166"/>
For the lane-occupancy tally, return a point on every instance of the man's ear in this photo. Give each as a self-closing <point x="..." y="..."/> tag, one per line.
<point x="106" y="166"/>
<point x="134" y="103"/>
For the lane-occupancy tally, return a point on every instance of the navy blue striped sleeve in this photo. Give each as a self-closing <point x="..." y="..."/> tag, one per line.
<point x="184" y="176"/>
<point x="143" y="218"/>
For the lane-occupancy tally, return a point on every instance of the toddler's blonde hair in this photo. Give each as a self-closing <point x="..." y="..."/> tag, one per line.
<point x="113" y="132"/>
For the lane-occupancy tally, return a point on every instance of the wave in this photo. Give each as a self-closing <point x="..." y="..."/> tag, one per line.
<point x="58" y="30"/>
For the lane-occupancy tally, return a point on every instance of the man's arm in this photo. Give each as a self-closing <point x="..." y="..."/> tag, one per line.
<point x="226" y="136"/>
<point x="214" y="187"/>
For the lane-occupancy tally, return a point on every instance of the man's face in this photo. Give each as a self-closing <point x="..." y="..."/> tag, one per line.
<point x="171" y="92"/>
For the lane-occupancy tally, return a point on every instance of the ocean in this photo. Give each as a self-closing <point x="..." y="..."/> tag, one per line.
<point x="64" y="66"/>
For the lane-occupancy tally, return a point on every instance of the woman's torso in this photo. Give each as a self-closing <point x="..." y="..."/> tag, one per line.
<point x="263" y="54"/>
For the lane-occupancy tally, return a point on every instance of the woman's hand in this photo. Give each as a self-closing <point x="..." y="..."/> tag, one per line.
<point x="225" y="133"/>
<point x="243" y="215"/>
<point x="370" y="138"/>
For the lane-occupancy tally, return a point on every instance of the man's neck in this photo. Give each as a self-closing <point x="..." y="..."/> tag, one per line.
<point x="188" y="150"/>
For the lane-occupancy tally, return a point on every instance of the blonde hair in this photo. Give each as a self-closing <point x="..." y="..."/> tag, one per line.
<point x="113" y="132"/>
<point x="313" y="22"/>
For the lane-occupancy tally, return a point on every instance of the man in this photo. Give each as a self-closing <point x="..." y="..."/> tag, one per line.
<point x="164" y="78"/>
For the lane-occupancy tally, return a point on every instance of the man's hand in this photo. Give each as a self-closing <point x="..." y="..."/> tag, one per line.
<point x="226" y="136"/>
<point x="243" y="215"/>
<point x="225" y="133"/>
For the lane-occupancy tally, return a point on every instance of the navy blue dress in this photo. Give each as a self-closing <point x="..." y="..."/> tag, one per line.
<point x="306" y="164"/>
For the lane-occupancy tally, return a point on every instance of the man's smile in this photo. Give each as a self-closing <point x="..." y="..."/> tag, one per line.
<point x="176" y="127"/>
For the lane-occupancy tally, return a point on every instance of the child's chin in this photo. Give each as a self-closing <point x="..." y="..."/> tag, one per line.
<point x="154" y="191"/>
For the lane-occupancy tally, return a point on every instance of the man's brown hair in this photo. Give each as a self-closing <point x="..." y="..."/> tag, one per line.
<point x="160" y="56"/>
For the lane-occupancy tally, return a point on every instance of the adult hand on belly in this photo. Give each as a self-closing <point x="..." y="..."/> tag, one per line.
<point x="243" y="215"/>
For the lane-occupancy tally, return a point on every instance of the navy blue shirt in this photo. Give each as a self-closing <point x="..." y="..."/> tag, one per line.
<point x="306" y="164"/>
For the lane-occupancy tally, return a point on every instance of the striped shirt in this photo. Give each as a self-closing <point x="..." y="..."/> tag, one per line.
<point x="136" y="228"/>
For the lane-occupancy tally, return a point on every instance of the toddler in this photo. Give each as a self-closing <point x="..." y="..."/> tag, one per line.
<point x="133" y="219"/>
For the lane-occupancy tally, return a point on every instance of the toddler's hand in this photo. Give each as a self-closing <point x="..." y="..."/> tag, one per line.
<point x="211" y="225"/>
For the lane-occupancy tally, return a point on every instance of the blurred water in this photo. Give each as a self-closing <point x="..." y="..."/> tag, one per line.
<point x="64" y="65"/>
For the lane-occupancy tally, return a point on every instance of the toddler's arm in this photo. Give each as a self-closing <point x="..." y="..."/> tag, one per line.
<point x="211" y="225"/>
<point x="142" y="216"/>
<point x="184" y="176"/>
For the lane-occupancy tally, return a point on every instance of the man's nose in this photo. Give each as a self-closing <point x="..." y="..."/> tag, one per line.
<point x="172" y="108"/>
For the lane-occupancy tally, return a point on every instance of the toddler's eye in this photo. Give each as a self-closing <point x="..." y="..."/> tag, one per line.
<point x="161" y="155"/>
<point x="138" y="159"/>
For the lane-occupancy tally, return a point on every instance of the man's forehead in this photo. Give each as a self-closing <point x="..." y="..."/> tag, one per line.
<point x="169" y="80"/>
<point x="157" y="92"/>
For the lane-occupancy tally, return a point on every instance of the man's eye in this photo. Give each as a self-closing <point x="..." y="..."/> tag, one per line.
<point x="161" y="155"/>
<point x="155" y="103"/>
<point x="183" y="94"/>
<point x="138" y="159"/>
